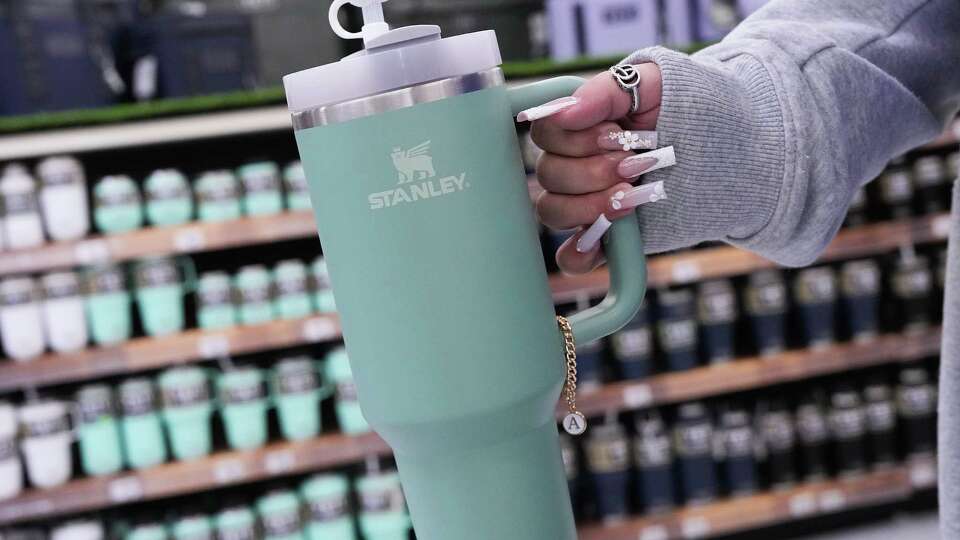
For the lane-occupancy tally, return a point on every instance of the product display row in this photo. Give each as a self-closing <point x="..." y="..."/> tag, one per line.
<point x="321" y="507"/>
<point x="698" y="452"/>
<point x="67" y="310"/>
<point x="133" y="424"/>
<point x="765" y="314"/>
<point x="914" y="186"/>
<point x="57" y="204"/>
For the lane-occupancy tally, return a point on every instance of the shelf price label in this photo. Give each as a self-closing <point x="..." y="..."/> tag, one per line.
<point x="685" y="272"/>
<point x="833" y="500"/>
<point x="91" y="252"/>
<point x="319" y="329"/>
<point x="637" y="396"/>
<point x="941" y="227"/>
<point x="189" y="240"/>
<point x="803" y="504"/>
<point x="125" y="489"/>
<point x="923" y="474"/>
<point x="211" y="347"/>
<point x="695" y="527"/>
<point x="229" y="471"/>
<point x="279" y="461"/>
<point x="654" y="532"/>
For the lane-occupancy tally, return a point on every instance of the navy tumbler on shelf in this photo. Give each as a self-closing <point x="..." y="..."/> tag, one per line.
<point x="693" y="446"/>
<point x="931" y="183"/>
<point x="632" y="347"/>
<point x="860" y="290"/>
<point x="589" y="359"/>
<point x="766" y="305"/>
<point x="717" y="313"/>
<point x="912" y="284"/>
<point x="608" y="458"/>
<point x="737" y="446"/>
<point x="881" y="424"/>
<point x="848" y="426"/>
<point x="653" y="459"/>
<point x="571" y="465"/>
<point x="677" y="329"/>
<point x="814" y="436"/>
<point x="916" y="406"/>
<point x="779" y="441"/>
<point x="896" y="190"/>
<point x="815" y="293"/>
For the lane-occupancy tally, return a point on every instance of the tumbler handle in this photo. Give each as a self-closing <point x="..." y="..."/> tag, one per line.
<point x="623" y="244"/>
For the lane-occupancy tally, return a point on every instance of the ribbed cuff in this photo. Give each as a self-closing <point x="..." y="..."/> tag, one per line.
<point x="726" y="125"/>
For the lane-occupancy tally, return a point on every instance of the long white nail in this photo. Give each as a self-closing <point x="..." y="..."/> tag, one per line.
<point x="588" y="241"/>
<point x="548" y="109"/>
<point x="637" y="165"/>
<point x="638" y="196"/>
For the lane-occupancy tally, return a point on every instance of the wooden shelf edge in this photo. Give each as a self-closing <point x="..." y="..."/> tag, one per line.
<point x="181" y="478"/>
<point x="776" y="507"/>
<point x="723" y="262"/>
<point x="144" y="354"/>
<point x="194" y="237"/>
<point x="752" y="373"/>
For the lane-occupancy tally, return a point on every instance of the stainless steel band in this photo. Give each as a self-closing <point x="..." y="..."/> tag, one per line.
<point x="397" y="99"/>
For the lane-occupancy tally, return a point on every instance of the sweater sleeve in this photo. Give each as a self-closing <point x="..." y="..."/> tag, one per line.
<point x="777" y="126"/>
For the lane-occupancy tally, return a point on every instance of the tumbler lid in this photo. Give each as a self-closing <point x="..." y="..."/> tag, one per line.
<point x="392" y="59"/>
<point x="326" y="485"/>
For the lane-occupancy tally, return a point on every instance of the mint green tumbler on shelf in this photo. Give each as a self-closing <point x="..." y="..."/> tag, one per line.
<point x="243" y="406"/>
<point x="262" y="192"/>
<point x="323" y="300"/>
<point x="428" y="230"/>
<point x="147" y="531"/>
<point x="107" y="304"/>
<point x="340" y="375"/>
<point x="296" y="186"/>
<point x="327" y="498"/>
<point x="383" y="512"/>
<point x="218" y="196"/>
<point x="297" y="394"/>
<point x="196" y="527"/>
<point x="161" y="286"/>
<point x="236" y="524"/>
<point x="292" y="300"/>
<point x="254" y="287"/>
<point x="117" y="205"/>
<point x="187" y="409"/>
<point x="280" y="514"/>
<point x="142" y="431"/>
<point x="98" y="431"/>
<point x="215" y="307"/>
<point x="169" y="201"/>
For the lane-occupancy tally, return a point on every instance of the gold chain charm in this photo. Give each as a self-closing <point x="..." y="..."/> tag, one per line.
<point x="574" y="422"/>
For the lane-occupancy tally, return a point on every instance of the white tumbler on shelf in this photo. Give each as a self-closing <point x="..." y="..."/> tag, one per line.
<point x="11" y="472"/>
<point x="78" y="530"/>
<point x="22" y="225"/>
<point x="46" y="442"/>
<point x="21" y="318"/>
<point x="63" y="312"/>
<point x="63" y="198"/>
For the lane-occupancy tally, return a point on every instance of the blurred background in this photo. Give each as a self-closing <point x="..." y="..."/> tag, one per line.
<point x="172" y="366"/>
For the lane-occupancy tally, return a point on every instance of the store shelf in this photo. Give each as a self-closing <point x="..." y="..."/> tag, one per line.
<point x="160" y="241"/>
<point x="182" y="478"/>
<point x="721" y="262"/>
<point x="144" y="354"/>
<point x="752" y="373"/>
<point x="774" y="508"/>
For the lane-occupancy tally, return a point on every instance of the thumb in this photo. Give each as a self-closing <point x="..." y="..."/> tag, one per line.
<point x="602" y="99"/>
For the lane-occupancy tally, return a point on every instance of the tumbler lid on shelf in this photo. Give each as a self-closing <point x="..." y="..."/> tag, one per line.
<point x="325" y="485"/>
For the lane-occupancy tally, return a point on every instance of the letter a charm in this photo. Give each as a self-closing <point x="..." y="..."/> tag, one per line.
<point x="575" y="423"/>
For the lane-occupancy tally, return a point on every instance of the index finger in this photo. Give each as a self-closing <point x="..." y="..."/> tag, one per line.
<point x="602" y="99"/>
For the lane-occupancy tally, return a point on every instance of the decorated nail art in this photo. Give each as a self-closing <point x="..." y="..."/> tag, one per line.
<point x="640" y="195"/>
<point x="589" y="239"/>
<point x="548" y="109"/>
<point x="629" y="140"/>
<point x="647" y="162"/>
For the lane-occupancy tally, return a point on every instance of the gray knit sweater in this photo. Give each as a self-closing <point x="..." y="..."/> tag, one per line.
<point x="777" y="126"/>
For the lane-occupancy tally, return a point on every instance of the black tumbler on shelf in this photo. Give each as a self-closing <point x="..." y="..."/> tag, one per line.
<point x="571" y="465"/>
<point x="896" y="190"/>
<point x="881" y="424"/>
<point x="632" y="347"/>
<point x="940" y="278"/>
<point x="608" y="458"/>
<point x="765" y="299"/>
<point x="815" y="293"/>
<point x="737" y="445"/>
<point x="916" y="407"/>
<point x="717" y="314"/>
<point x="813" y="434"/>
<point x="848" y="426"/>
<point x="589" y="361"/>
<point x="857" y="213"/>
<point x="653" y="460"/>
<point x="860" y="290"/>
<point x="931" y="184"/>
<point x="693" y="446"/>
<point x="912" y="285"/>
<point x="779" y="441"/>
<point x="677" y="329"/>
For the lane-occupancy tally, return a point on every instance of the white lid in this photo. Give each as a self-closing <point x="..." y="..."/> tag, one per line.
<point x="392" y="59"/>
<point x="17" y="180"/>
<point x="42" y="411"/>
<point x="60" y="166"/>
<point x="8" y="420"/>
<point x="78" y="530"/>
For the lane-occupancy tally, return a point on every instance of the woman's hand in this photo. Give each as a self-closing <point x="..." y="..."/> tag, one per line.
<point x="583" y="167"/>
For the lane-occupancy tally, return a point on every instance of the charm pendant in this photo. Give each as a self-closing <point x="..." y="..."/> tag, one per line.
<point x="575" y="423"/>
